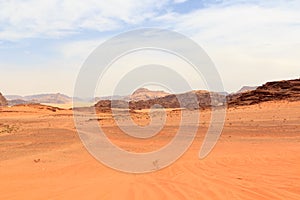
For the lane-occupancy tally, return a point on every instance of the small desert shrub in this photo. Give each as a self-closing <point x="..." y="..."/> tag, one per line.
<point x="5" y="128"/>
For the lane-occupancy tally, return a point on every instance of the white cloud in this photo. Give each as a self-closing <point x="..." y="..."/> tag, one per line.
<point x="179" y="1"/>
<point x="53" y="18"/>
<point x="250" y="43"/>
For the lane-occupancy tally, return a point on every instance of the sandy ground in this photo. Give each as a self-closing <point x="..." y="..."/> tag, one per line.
<point x="257" y="157"/>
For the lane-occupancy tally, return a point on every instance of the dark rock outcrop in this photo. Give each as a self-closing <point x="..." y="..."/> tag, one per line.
<point x="189" y="100"/>
<point x="106" y="105"/>
<point x="271" y="91"/>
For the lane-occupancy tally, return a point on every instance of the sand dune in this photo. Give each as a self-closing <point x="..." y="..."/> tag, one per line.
<point x="257" y="157"/>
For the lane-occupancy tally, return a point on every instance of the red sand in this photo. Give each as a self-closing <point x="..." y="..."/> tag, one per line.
<point x="257" y="157"/>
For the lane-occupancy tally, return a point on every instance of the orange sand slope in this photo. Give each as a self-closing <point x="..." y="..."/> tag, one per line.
<point x="257" y="157"/>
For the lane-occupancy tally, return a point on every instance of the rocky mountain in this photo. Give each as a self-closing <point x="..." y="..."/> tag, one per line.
<point x="138" y="95"/>
<point x="13" y="97"/>
<point x="272" y="91"/>
<point x="3" y="101"/>
<point x="143" y="94"/>
<point x="50" y="98"/>
<point x="40" y="98"/>
<point x="106" y="105"/>
<point x="187" y="100"/>
<point x="144" y="99"/>
<point x="18" y="102"/>
<point x="169" y="101"/>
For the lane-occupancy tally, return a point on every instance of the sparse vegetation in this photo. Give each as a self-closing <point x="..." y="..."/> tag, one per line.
<point x="5" y="128"/>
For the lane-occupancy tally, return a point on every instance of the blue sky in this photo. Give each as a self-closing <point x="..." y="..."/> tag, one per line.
<point x="44" y="43"/>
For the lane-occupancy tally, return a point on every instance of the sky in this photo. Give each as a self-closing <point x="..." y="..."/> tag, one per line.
<point x="43" y="44"/>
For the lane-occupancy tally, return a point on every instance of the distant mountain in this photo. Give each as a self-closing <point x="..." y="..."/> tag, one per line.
<point x="13" y="97"/>
<point x="169" y="101"/>
<point x="272" y="91"/>
<point x="17" y="102"/>
<point x="143" y="94"/>
<point x="138" y="95"/>
<point x="116" y="97"/>
<point x="50" y="98"/>
<point x="40" y="98"/>
<point x="247" y="89"/>
<point x="3" y="101"/>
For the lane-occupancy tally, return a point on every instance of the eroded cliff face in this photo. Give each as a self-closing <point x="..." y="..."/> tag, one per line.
<point x="271" y="91"/>
<point x="169" y="101"/>
<point x="3" y="101"/>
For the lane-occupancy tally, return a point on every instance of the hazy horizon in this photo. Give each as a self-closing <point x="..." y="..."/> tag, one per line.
<point x="125" y="94"/>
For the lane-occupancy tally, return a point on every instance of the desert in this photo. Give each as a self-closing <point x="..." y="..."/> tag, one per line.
<point x="149" y="100"/>
<point x="256" y="157"/>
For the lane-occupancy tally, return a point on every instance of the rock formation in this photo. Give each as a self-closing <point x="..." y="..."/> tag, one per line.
<point x="271" y="91"/>
<point x="188" y="100"/>
<point x="3" y="101"/>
